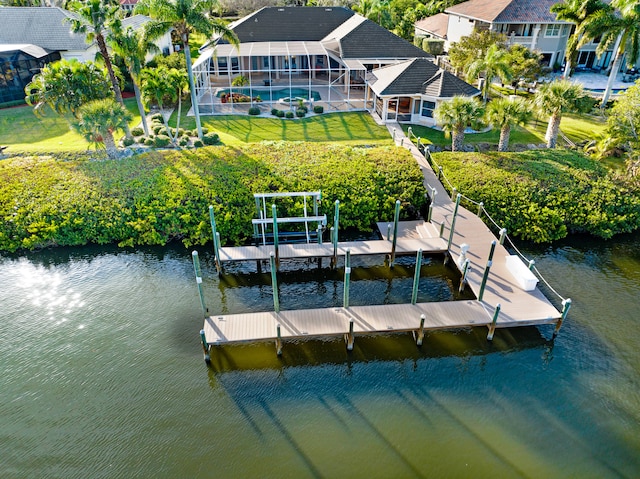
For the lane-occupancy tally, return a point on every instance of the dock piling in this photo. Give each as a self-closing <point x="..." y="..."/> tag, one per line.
<point x="453" y="220"/>
<point x="566" y="304"/>
<point x="196" y="267"/>
<point x="492" y="326"/>
<point x="420" y="333"/>
<point x="396" y="218"/>
<point x="388" y="231"/>
<point x="274" y="284"/>
<point x="416" y="277"/>
<point x="485" y="276"/>
<point x="205" y="347"/>
<point x="276" y="245"/>
<point x="347" y="278"/>
<point x="480" y="208"/>
<point x="350" y="337"/>
<point x="278" y="340"/>
<point x="532" y="263"/>
<point x="216" y="238"/>
<point x="454" y="193"/>
<point x="503" y="234"/>
<point x="319" y="234"/>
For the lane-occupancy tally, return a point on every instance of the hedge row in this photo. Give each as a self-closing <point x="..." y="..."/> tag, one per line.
<point x="543" y="195"/>
<point x="158" y="197"/>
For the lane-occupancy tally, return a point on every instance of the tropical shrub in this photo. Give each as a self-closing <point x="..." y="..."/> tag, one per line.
<point x="137" y="131"/>
<point x="288" y="114"/>
<point x="318" y="109"/>
<point x="161" y="141"/>
<point x="160" y="196"/>
<point x="211" y="139"/>
<point x="128" y="141"/>
<point x="274" y="111"/>
<point x="254" y="110"/>
<point x="184" y="141"/>
<point x="280" y="114"/>
<point x="544" y="195"/>
<point x="300" y="113"/>
<point x="198" y="143"/>
<point x="157" y="117"/>
<point x="149" y="142"/>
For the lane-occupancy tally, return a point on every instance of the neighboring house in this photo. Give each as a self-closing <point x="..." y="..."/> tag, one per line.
<point x="46" y="33"/>
<point x="128" y="5"/>
<point x="318" y="54"/>
<point x="527" y="22"/>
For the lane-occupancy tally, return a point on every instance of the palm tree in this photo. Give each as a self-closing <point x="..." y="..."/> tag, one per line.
<point x="66" y="85"/>
<point x="99" y="119"/>
<point x="554" y="99"/>
<point x="132" y="46"/>
<point x="494" y="63"/>
<point x="455" y="115"/>
<point x="622" y="31"/>
<point x="160" y="85"/>
<point x="93" y="18"/>
<point x="578" y="12"/>
<point x="184" y="17"/>
<point x="504" y="113"/>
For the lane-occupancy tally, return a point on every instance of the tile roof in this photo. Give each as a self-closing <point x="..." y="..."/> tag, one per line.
<point x="282" y="24"/>
<point x="530" y="11"/>
<point x="486" y="10"/>
<point x="507" y="11"/>
<point x="418" y="76"/>
<point x="436" y="25"/>
<point x="43" y="26"/>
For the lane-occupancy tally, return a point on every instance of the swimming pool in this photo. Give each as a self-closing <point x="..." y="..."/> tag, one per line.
<point x="273" y="95"/>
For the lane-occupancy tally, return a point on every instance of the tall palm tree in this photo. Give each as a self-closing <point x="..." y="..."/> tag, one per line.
<point x="185" y="17"/>
<point x="578" y="12"/>
<point x="455" y="115"/>
<point x="620" y="30"/>
<point x="99" y="119"/>
<point x="504" y="113"/>
<point x="93" y="18"/>
<point x="495" y="63"/>
<point x="132" y="46"/>
<point x="554" y="99"/>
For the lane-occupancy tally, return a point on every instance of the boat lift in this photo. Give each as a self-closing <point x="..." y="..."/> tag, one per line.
<point x="310" y="200"/>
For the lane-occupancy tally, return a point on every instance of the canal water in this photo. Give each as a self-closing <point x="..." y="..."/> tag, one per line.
<point x="102" y="375"/>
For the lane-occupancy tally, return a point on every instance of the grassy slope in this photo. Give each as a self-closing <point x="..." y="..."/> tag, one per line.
<point x="22" y="130"/>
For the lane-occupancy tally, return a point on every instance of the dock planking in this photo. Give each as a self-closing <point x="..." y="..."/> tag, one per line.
<point x="324" y="322"/>
<point x="503" y="304"/>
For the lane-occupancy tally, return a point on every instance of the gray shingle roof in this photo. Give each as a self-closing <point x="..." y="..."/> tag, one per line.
<point x="370" y="40"/>
<point x="285" y="24"/>
<point x="418" y="76"/>
<point x="42" y="26"/>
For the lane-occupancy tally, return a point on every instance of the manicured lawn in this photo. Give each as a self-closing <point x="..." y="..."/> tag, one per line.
<point x="22" y="130"/>
<point x="518" y="135"/>
<point x="348" y="128"/>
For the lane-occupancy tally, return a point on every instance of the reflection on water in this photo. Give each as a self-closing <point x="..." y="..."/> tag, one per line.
<point x="102" y="374"/>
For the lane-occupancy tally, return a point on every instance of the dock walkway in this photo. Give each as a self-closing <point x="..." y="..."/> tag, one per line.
<point x="517" y="306"/>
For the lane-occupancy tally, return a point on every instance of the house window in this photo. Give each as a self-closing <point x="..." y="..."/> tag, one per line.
<point x="427" y="108"/>
<point x="553" y="30"/>
<point x="565" y="30"/>
<point x="223" y="66"/>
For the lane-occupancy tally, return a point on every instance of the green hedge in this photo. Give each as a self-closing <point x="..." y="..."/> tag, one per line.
<point x="160" y="196"/>
<point x="543" y="195"/>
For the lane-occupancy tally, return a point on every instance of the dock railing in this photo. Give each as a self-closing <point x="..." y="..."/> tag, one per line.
<point x="481" y="212"/>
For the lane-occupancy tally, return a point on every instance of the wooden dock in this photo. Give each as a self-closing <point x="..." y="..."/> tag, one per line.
<point x="412" y="236"/>
<point x="504" y="303"/>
